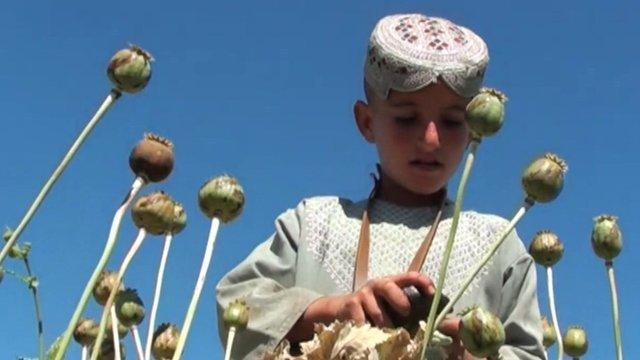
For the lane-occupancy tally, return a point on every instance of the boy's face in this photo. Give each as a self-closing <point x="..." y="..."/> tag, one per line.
<point x="420" y="136"/>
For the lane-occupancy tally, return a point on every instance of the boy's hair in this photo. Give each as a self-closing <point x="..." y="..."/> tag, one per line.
<point x="410" y="51"/>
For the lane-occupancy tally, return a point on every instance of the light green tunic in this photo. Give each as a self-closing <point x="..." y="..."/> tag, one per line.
<point x="312" y="252"/>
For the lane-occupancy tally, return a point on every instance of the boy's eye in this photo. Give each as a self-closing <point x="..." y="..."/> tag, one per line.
<point x="453" y="124"/>
<point x="405" y="120"/>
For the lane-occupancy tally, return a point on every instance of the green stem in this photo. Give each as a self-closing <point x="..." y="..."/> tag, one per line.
<point x="36" y="301"/>
<point x="213" y="232"/>
<point x="106" y="254"/>
<point x="156" y="294"/>
<point x="114" y="291"/>
<point x="449" y="246"/>
<point x="24" y="279"/>
<point x="472" y="274"/>
<point x="111" y="98"/>
<point x="552" y="306"/>
<point x="614" y="309"/>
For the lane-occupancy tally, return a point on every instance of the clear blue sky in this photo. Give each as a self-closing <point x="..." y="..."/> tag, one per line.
<point x="264" y="92"/>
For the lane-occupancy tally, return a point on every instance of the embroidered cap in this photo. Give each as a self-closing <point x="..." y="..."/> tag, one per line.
<point x="410" y="51"/>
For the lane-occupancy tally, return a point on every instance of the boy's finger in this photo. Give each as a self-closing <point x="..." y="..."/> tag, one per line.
<point x="450" y="326"/>
<point x="390" y="292"/>
<point x="352" y="310"/>
<point x="375" y="312"/>
<point x="421" y="282"/>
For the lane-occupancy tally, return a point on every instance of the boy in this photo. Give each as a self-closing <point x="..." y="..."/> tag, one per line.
<point x="331" y="258"/>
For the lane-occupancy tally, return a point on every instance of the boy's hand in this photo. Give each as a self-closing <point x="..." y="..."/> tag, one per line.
<point x="366" y="304"/>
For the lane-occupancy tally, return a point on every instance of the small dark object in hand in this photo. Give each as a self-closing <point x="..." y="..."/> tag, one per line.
<point x="420" y="306"/>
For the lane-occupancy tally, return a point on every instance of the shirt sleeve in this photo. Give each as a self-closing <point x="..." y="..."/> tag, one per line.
<point x="266" y="281"/>
<point x="520" y="313"/>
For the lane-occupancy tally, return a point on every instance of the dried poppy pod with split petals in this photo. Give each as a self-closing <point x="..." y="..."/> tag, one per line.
<point x="129" y="308"/>
<point x="481" y="332"/>
<point x="130" y="69"/>
<point x="85" y="332"/>
<point x="485" y="112"/>
<point x="165" y="341"/>
<point x="575" y="341"/>
<point x="546" y="248"/>
<point x="152" y="158"/>
<point x="158" y="214"/>
<point x="236" y="314"/>
<point x="106" y="281"/>
<point x="548" y="333"/>
<point x="221" y="197"/>
<point x="543" y="179"/>
<point x="606" y="238"/>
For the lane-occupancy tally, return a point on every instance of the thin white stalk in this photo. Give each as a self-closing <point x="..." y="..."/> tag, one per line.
<point x="123" y="268"/>
<point x="111" y="98"/>
<point x="213" y="232"/>
<point x="614" y="309"/>
<point x="488" y="255"/>
<point x="106" y="254"/>
<point x="230" y="337"/>
<point x="552" y="306"/>
<point x="84" y="353"/>
<point x="114" y="331"/>
<point x="137" y="342"/>
<point x="156" y="295"/>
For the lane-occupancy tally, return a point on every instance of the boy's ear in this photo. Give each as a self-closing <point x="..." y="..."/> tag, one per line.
<point x="362" y="115"/>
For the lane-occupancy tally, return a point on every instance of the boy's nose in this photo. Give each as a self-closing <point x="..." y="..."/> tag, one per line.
<point x="431" y="139"/>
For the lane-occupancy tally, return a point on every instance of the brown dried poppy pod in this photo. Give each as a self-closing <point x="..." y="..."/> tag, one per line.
<point x="165" y="341"/>
<point x="548" y="333"/>
<point x="85" y="332"/>
<point x="221" y="197"/>
<point x="130" y="69"/>
<point x="106" y="281"/>
<point x="129" y="308"/>
<point x="543" y="179"/>
<point x="546" y="248"/>
<point x="152" y="158"/>
<point x="158" y="214"/>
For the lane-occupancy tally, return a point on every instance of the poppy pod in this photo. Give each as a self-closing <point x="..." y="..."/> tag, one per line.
<point x="485" y="112"/>
<point x="165" y="341"/>
<point x="543" y="179"/>
<point x="130" y="69"/>
<point x="606" y="238"/>
<point x="546" y="248"/>
<point x="152" y="158"/>
<point x="106" y="281"/>
<point x="481" y="332"/>
<point x="221" y="197"/>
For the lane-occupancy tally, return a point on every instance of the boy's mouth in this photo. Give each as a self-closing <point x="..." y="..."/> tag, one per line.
<point x="426" y="164"/>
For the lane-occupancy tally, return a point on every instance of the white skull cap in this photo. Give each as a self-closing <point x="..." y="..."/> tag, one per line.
<point x="410" y="51"/>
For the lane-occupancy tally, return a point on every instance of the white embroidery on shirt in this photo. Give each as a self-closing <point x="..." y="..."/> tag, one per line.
<point x="396" y="234"/>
